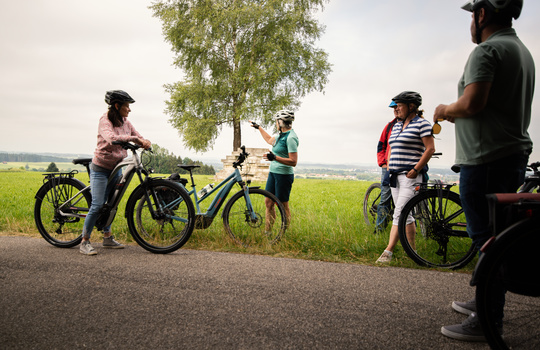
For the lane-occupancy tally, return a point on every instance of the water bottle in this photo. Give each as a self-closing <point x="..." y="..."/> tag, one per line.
<point x="205" y="190"/>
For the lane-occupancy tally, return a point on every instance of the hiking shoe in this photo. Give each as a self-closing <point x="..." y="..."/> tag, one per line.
<point x="466" y="308"/>
<point x="111" y="243"/>
<point x="385" y="258"/>
<point x="87" y="249"/>
<point x="469" y="330"/>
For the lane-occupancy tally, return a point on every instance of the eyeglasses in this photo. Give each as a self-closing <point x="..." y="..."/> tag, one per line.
<point x="436" y="128"/>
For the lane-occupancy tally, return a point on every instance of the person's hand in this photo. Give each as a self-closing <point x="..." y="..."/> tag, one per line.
<point x="269" y="156"/>
<point x="253" y="124"/>
<point x="412" y="174"/>
<point x="146" y="144"/>
<point x="440" y="114"/>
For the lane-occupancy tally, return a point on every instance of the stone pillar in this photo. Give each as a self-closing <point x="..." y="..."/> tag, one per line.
<point x="255" y="168"/>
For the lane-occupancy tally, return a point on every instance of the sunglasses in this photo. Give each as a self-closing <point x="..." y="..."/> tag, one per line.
<point x="436" y="128"/>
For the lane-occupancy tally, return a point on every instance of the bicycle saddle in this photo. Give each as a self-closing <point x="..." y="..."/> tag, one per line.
<point x="188" y="167"/>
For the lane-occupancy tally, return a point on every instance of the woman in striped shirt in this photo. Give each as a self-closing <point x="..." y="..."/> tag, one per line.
<point x="411" y="147"/>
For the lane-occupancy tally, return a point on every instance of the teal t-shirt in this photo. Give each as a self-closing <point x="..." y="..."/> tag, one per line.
<point x="285" y="143"/>
<point x="501" y="128"/>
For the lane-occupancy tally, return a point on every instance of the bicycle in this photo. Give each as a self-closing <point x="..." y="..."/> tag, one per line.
<point x="251" y="216"/>
<point x="441" y="239"/>
<point x="506" y="261"/>
<point x="532" y="182"/>
<point x="372" y="199"/>
<point x="159" y="214"/>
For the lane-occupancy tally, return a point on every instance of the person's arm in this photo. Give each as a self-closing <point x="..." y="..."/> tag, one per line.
<point x="267" y="137"/>
<point x="473" y="100"/>
<point x="429" y="143"/>
<point x="291" y="161"/>
<point x="138" y="138"/>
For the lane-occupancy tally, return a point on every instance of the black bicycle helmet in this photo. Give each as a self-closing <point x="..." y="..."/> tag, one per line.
<point x="286" y="115"/>
<point x="408" y="97"/>
<point x="121" y="96"/>
<point x="511" y="7"/>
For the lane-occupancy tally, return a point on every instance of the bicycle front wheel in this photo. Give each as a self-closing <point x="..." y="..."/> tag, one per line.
<point x="160" y="216"/>
<point x="506" y="263"/>
<point x="264" y="223"/>
<point x="60" y="209"/>
<point x="371" y="202"/>
<point x="438" y="237"/>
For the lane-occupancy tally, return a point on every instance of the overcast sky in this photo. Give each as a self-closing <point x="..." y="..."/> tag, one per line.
<point x="58" y="57"/>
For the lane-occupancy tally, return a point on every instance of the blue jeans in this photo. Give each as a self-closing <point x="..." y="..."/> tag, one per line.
<point x="100" y="189"/>
<point x="383" y="209"/>
<point x="476" y="181"/>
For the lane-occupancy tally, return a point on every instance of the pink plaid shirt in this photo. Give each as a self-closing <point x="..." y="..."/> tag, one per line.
<point x="106" y="154"/>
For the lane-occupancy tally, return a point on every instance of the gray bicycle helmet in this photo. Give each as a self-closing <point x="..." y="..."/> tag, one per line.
<point x="512" y="7"/>
<point x="408" y="97"/>
<point x="121" y="96"/>
<point x="286" y="115"/>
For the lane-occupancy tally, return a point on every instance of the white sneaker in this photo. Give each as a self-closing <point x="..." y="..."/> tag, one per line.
<point x="384" y="258"/>
<point x="87" y="249"/>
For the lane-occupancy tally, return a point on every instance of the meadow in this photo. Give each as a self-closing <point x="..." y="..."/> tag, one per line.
<point x="327" y="223"/>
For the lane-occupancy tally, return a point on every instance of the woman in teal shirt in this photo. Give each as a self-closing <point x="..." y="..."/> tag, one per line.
<point x="283" y="157"/>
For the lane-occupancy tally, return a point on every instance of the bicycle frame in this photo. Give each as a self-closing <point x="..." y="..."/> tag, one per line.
<point x="227" y="184"/>
<point x="133" y="165"/>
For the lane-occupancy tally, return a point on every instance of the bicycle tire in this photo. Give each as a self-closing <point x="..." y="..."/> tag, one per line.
<point x="441" y="238"/>
<point x="371" y="202"/>
<point x="522" y="307"/>
<point x="174" y="220"/>
<point x="265" y="229"/>
<point x="58" y="230"/>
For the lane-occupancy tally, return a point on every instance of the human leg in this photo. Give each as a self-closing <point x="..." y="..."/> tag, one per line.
<point x="501" y="176"/>
<point x="403" y="191"/>
<point x="383" y="208"/>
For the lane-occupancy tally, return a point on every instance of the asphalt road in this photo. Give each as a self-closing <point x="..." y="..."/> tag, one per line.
<point x="54" y="298"/>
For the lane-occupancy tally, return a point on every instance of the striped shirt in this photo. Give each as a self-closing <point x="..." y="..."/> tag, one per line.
<point x="406" y="146"/>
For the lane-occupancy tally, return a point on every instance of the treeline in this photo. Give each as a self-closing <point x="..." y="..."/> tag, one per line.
<point x="29" y="158"/>
<point x="161" y="160"/>
<point x="165" y="162"/>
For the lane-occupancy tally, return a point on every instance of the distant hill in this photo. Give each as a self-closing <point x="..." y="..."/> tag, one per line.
<point x="37" y="157"/>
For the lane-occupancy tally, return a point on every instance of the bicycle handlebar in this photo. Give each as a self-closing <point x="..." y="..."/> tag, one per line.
<point x="241" y="158"/>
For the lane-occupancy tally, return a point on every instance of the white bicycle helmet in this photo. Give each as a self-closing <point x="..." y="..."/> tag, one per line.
<point x="286" y="115"/>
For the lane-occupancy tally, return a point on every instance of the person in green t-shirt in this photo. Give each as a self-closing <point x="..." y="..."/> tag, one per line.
<point x="491" y="116"/>
<point x="283" y="157"/>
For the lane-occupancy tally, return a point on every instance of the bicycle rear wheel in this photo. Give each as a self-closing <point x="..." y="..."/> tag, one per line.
<point x="64" y="231"/>
<point x="265" y="226"/>
<point x="508" y="260"/>
<point x="160" y="216"/>
<point x="440" y="238"/>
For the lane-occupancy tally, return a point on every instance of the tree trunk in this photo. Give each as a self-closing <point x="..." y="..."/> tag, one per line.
<point x="237" y="132"/>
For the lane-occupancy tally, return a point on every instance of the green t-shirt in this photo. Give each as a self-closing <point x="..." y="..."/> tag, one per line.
<point x="501" y="128"/>
<point x="285" y="143"/>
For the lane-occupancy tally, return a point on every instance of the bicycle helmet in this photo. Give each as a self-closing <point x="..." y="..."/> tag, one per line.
<point x="511" y="7"/>
<point x="408" y="97"/>
<point x="286" y="115"/>
<point x="121" y="96"/>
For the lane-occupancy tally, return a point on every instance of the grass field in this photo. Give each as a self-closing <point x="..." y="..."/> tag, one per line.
<point x="327" y="221"/>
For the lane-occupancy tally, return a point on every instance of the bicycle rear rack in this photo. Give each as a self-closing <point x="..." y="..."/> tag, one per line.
<point x="55" y="177"/>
